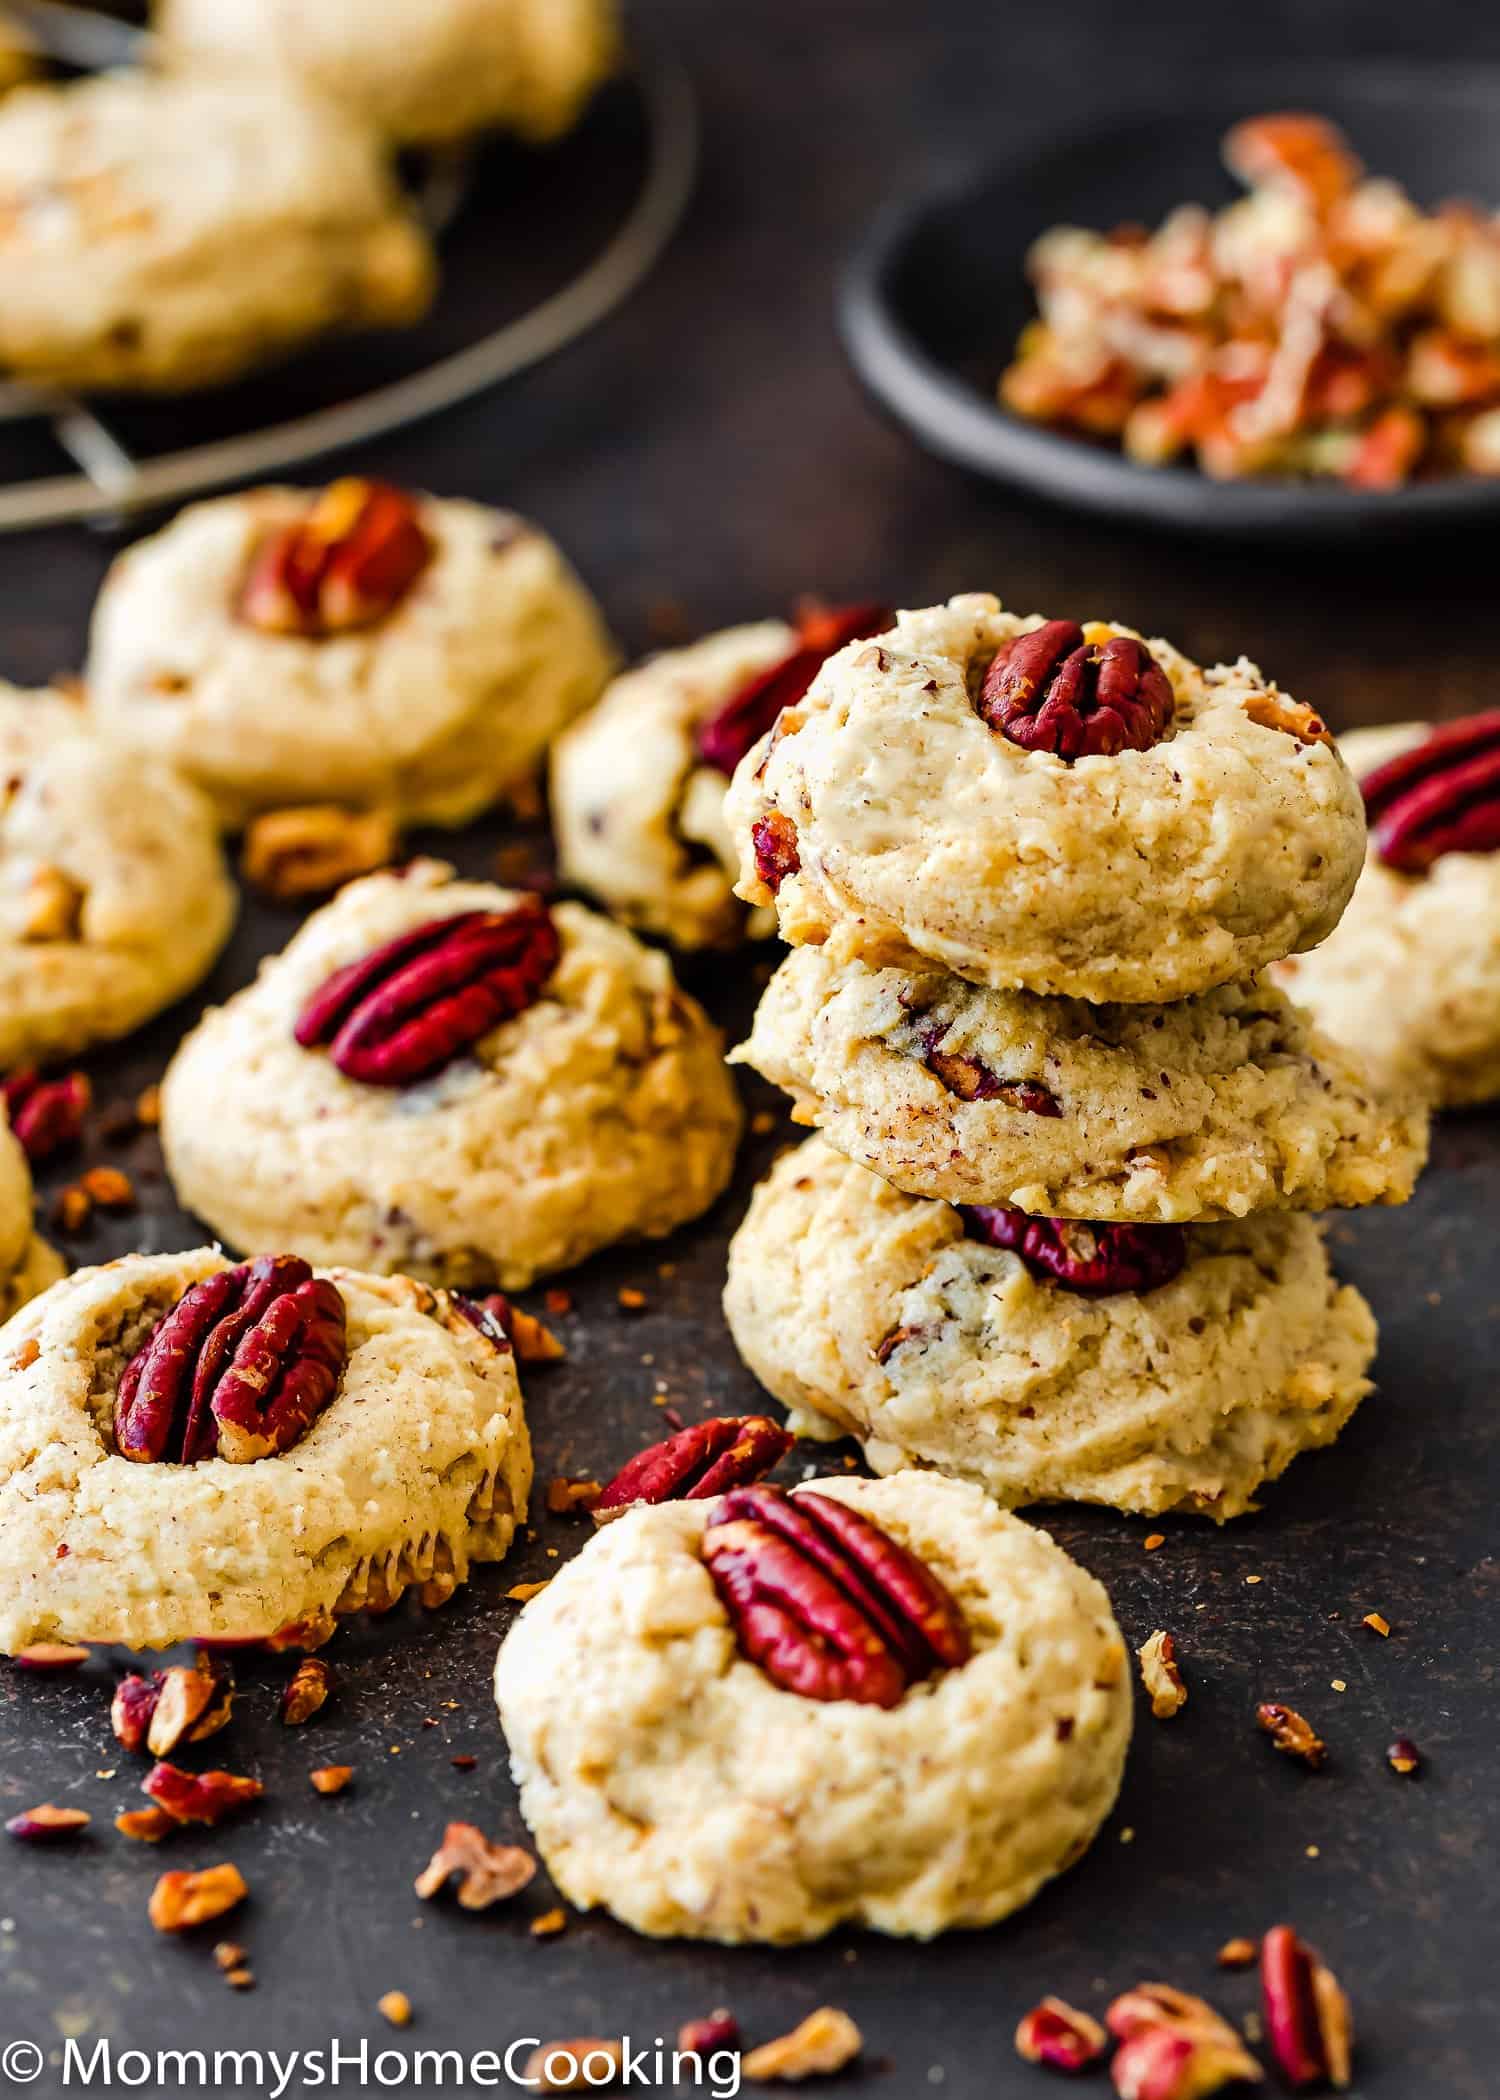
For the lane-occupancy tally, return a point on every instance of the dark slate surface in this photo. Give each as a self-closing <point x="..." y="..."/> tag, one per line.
<point x="707" y="447"/>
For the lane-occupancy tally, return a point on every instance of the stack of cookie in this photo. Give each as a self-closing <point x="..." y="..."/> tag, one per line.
<point x="1054" y="1235"/>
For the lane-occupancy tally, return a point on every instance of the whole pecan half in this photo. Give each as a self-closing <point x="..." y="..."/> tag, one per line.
<point x="347" y="563"/>
<point x="825" y="1601"/>
<point x="1051" y="690"/>
<point x="46" y="1114"/>
<point x="238" y="1369"/>
<point x="1094" y="1260"/>
<point x="707" y="1458"/>
<point x="1308" y="2023"/>
<point x="1442" y="796"/>
<point x="749" y="712"/>
<point x="404" y="1011"/>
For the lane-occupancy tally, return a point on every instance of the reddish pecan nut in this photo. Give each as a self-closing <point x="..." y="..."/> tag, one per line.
<point x="1308" y="2023"/>
<point x="1442" y="796"/>
<point x="1094" y="1260"/>
<point x="1291" y="1733"/>
<point x="46" y="1114"/>
<point x="239" y="1368"/>
<point x="349" y="562"/>
<point x="1051" y="690"/>
<point x="171" y="1707"/>
<point x="199" y="1797"/>
<point x="827" y="1603"/>
<point x="411" y="1007"/>
<point x="1057" y="2034"/>
<point x="1173" y="2046"/>
<point x="745" y="717"/>
<point x="1404" y="1757"/>
<point x="774" y="839"/>
<point x="706" y="1459"/>
<point x="716" y="2030"/>
<point x="489" y="1873"/>
<point x="972" y="1080"/>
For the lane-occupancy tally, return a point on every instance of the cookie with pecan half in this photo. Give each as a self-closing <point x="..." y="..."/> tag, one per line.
<point x="1047" y="806"/>
<point x="1214" y="1107"/>
<point x="880" y="1703"/>
<point x="450" y="1080"/>
<point x="1145" y="1367"/>
<point x="1411" y="975"/>
<point x="362" y="645"/>
<point x="191" y="1448"/>
<point x="114" y="899"/>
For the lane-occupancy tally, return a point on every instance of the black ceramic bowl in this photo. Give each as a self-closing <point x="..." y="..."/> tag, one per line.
<point x="934" y="298"/>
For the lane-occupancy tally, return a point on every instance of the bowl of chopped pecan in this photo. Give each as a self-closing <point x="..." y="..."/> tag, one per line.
<point x="1295" y="333"/>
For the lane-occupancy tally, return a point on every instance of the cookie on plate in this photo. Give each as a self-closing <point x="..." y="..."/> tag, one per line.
<point x="114" y="900"/>
<point x="699" y="1781"/>
<point x="1150" y="1368"/>
<point x="360" y="645"/>
<point x="638" y="784"/>
<point x="27" y="1264"/>
<point x="170" y="232"/>
<point x="1210" y="1108"/>
<point x="1039" y="805"/>
<point x="1411" y="975"/>
<point x="190" y="1449"/>
<point x="447" y="1079"/>
<point x="420" y="71"/>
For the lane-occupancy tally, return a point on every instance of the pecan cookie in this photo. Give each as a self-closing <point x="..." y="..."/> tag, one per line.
<point x="447" y="1079"/>
<point x="1211" y="1108"/>
<point x="194" y="1450"/>
<point x="1145" y="1367"/>
<point x="420" y="71"/>
<point x="359" y="645"/>
<point x="671" y="1773"/>
<point x="1039" y="805"/>
<point x="1412" y="973"/>
<point x="167" y="232"/>
<point x="27" y="1263"/>
<point x="113" y="896"/>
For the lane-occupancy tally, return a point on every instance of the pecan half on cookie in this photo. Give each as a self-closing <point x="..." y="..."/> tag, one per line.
<point x="825" y="1601"/>
<point x="1094" y="1260"/>
<point x="703" y="1460"/>
<point x="402" y="1013"/>
<point x="1054" y="690"/>
<point x="1441" y="796"/>
<point x="348" y="563"/>
<point x="239" y="1368"/>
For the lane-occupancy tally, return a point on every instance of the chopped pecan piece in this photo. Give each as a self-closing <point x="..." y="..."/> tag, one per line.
<point x="1053" y="690"/>
<point x="569" y="1497"/>
<point x="828" y="1604"/>
<point x="1173" y="2046"/>
<point x="549" y="1923"/>
<point x="50" y="1655"/>
<point x="1274" y="711"/>
<point x="149" y="1825"/>
<point x="199" y="1797"/>
<point x="305" y="852"/>
<point x="749" y="712"/>
<point x="307" y="1689"/>
<point x="1161" y="1676"/>
<point x="717" y="2030"/>
<point x="331" y="1779"/>
<point x="1094" y="1260"/>
<point x="706" y="1459"/>
<point x="54" y="907"/>
<point x="823" y="2043"/>
<point x="45" y="1824"/>
<point x="508" y="1327"/>
<point x="777" y="855"/>
<point x="181" y="1900"/>
<point x="239" y="1368"/>
<point x="1290" y="1733"/>
<point x="1308" y="2024"/>
<point x="1237" y="1954"/>
<point x="490" y="1873"/>
<point x="1057" y="2034"/>
<point x="1442" y="796"/>
<point x="972" y="1080"/>
<point x="394" y="2006"/>
<point x="406" y="1010"/>
<point x="1403" y="1756"/>
<point x="184" y="1704"/>
<point x="346" y="564"/>
<point x="46" y="1114"/>
<point x="1305" y="154"/>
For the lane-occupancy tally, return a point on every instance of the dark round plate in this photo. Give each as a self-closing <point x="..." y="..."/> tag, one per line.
<point x="935" y="296"/>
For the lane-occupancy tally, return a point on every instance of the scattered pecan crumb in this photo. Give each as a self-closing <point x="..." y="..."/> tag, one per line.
<point x="1237" y="1954"/>
<point x="465" y="1762"/>
<point x="630" y="1299"/>
<point x="72" y="1209"/>
<point x="1291" y="1733"/>
<point x="307" y="1690"/>
<point x="240" y="1979"/>
<point x="306" y="852"/>
<point x="1377" y="1624"/>
<point x="568" y="1496"/>
<point x="824" y="2042"/>
<point x="1403" y="1756"/>
<point x="230" y="1955"/>
<point x="1152" y="1540"/>
<point x="763" y="1122"/>
<point x="180" y="1900"/>
<point x="46" y="1823"/>
<point x="1161" y="1676"/>
<point x="108" y="1188"/>
<point x="558" y="1302"/>
<point x="1252" y="1580"/>
<point x="533" y="1341"/>
<point x="573" y="2067"/>
<point x="331" y="1779"/>
<point x="148" y="1107"/>
<point x="149" y="1825"/>
<point x="490" y="1872"/>
<point x="549" y="1924"/>
<point x="394" y="2006"/>
<point x="523" y="1592"/>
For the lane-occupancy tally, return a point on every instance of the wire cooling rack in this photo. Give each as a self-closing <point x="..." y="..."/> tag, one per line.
<point x="115" y="476"/>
